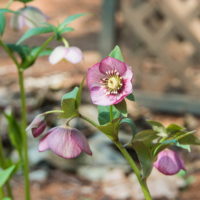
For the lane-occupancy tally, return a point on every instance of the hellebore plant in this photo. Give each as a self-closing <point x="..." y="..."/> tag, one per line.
<point x="110" y="86"/>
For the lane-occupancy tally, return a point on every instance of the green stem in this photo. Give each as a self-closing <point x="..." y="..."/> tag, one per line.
<point x="9" y="3"/>
<point x="24" y="135"/>
<point x="111" y="113"/>
<point x="1" y="193"/>
<point x="142" y="182"/>
<point x="127" y="156"/>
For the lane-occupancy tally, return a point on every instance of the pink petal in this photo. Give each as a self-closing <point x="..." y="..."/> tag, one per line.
<point x="110" y="63"/>
<point x="43" y="143"/>
<point x="65" y="142"/>
<point x="74" y="55"/>
<point x="81" y="141"/>
<point x="168" y="162"/>
<point x="99" y="97"/>
<point x="94" y="76"/>
<point x="57" y="54"/>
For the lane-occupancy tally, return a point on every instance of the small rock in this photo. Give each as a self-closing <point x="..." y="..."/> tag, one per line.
<point x="39" y="175"/>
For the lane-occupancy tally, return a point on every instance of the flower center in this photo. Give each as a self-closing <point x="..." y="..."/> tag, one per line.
<point x="112" y="83"/>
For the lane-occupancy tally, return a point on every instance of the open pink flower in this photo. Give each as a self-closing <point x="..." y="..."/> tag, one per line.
<point x="29" y="16"/>
<point x="71" y="54"/>
<point x="169" y="162"/>
<point x="65" y="142"/>
<point x="109" y="81"/>
<point x="37" y="126"/>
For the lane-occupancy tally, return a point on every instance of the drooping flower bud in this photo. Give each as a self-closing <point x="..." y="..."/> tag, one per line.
<point x="109" y="81"/>
<point x="65" y="142"/>
<point x="169" y="162"/>
<point x="71" y="54"/>
<point x="29" y="16"/>
<point x="37" y="126"/>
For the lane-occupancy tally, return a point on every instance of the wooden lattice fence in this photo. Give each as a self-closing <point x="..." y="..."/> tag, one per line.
<point x="170" y="31"/>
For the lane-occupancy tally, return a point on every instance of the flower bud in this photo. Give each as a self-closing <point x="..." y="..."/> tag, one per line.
<point x="37" y="126"/>
<point x="169" y="162"/>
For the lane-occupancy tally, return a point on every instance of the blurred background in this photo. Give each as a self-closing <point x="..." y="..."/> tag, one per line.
<point x="161" y="41"/>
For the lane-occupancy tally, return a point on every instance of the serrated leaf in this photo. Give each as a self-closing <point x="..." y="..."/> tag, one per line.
<point x="5" y="174"/>
<point x="104" y="114"/>
<point x="122" y="108"/>
<point x="2" y="23"/>
<point x="35" y="31"/>
<point x="116" y="53"/>
<point x="130" y="123"/>
<point x="131" y="97"/>
<point x="145" y="157"/>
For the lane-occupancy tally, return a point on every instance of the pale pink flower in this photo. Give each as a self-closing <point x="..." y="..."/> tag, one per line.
<point x="65" y="142"/>
<point x="37" y="126"/>
<point x="109" y="81"/>
<point x="169" y="162"/>
<point x="71" y="54"/>
<point x="29" y="16"/>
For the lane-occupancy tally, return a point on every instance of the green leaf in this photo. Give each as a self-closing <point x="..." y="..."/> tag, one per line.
<point x="5" y="10"/>
<point x="157" y="126"/>
<point x="145" y="157"/>
<point x="6" y="174"/>
<point x="117" y="54"/>
<point x="189" y="139"/>
<point x="130" y="122"/>
<point x="122" y="108"/>
<point x="66" y="29"/>
<point x="35" y="31"/>
<point x="110" y="129"/>
<point x="69" y="19"/>
<point x="7" y="198"/>
<point x="24" y="1"/>
<point x="2" y="23"/>
<point x="131" y="97"/>
<point x="14" y="132"/>
<point x="70" y="103"/>
<point x="104" y="114"/>
<point x="146" y="136"/>
<point x="173" y="128"/>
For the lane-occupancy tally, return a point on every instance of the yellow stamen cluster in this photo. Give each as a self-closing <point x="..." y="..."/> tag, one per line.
<point x="112" y="83"/>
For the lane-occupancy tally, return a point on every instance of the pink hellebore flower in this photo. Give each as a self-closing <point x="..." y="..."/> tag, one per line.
<point x="65" y="142"/>
<point x="71" y="54"/>
<point x="29" y="16"/>
<point x="37" y="126"/>
<point x="109" y="81"/>
<point x="169" y="162"/>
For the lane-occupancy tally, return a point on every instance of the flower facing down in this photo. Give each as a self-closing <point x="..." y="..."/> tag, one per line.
<point x="29" y="16"/>
<point x="169" y="162"/>
<point x="65" y="142"/>
<point x="71" y="54"/>
<point x="37" y="126"/>
<point x="109" y="81"/>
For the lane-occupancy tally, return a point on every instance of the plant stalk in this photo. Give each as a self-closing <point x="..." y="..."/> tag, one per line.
<point x="134" y="167"/>
<point x="24" y="135"/>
